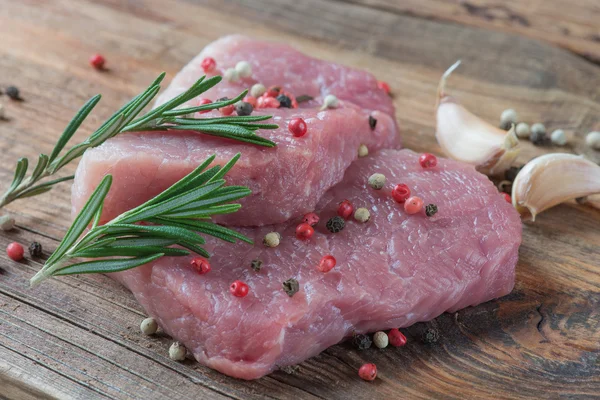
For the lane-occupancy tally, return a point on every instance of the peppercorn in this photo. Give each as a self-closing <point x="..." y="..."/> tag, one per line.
<point x="507" y="118"/>
<point x="231" y="75"/>
<point x="413" y="205"/>
<point x="593" y="140"/>
<point x="257" y="90"/>
<point x="368" y="372"/>
<point x="381" y="340"/>
<point x="35" y="249"/>
<point x="372" y="122"/>
<point x="327" y="263"/>
<point x="311" y="218"/>
<point x="149" y="326"/>
<point x="244" y="69"/>
<point x="272" y="239"/>
<point x="427" y="160"/>
<point x="291" y="287"/>
<point x="507" y="197"/>
<point x="251" y="100"/>
<point x="256" y="265"/>
<point x="430" y="336"/>
<point x="377" y="181"/>
<point x="538" y="138"/>
<point x="304" y="231"/>
<point x="345" y="209"/>
<point x="243" y="108"/>
<point x="273" y="91"/>
<point x="330" y="101"/>
<point x="7" y="223"/>
<point x="177" y="352"/>
<point x="431" y="210"/>
<point x="13" y="93"/>
<point x="15" y="251"/>
<point x="284" y="101"/>
<point x="297" y="127"/>
<point x="401" y="193"/>
<point x="335" y="224"/>
<point x="362" y="215"/>
<point x="226" y="110"/>
<point x="201" y="265"/>
<point x="363" y="151"/>
<point x="208" y="64"/>
<point x="522" y="130"/>
<point x="511" y="173"/>
<point x="396" y="338"/>
<point x="384" y="86"/>
<point x="362" y="342"/>
<point x="558" y="137"/>
<point x="239" y="289"/>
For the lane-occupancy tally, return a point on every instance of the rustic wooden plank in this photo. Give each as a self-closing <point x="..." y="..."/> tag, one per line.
<point x="543" y="340"/>
<point x="569" y="24"/>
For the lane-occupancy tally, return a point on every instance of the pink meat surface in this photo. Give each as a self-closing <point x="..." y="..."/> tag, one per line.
<point x="392" y="271"/>
<point x="287" y="180"/>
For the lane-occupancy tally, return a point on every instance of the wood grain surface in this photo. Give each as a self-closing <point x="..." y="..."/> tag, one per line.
<point x="78" y="337"/>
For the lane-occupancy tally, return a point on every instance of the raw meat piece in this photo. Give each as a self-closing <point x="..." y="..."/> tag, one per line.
<point x="287" y="180"/>
<point x="392" y="271"/>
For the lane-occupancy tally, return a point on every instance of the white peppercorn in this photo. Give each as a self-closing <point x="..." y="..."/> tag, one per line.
<point x="377" y="181"/>
<point x="244" y="69"/>
<point x="522" y="130"/>
<point x="558" y="137"/>
<point x="507" y="118"/>
<point x="6" y="223"/>
<point x="257" y="90"/>
<point x="149" y="326"/>
<point x="381" y="340"/>
<point x="593" y="140"/>
<point x="362" y="215"/>
<point x="272" y="239"/>
<point x="363" y="150"/>
<point x="177" y="352"/>
<point x="231" y="75"/>
<point x="330" y="101"/>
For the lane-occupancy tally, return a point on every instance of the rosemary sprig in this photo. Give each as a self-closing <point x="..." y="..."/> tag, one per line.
<point x="177" y="216"/>
<point x="165" y="117"/>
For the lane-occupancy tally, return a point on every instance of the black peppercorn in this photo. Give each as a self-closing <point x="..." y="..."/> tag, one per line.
<point x="13" y="92"/>
<point x="256" y="265"/>
<point x="35" y="249"/>
<point x="242" y="108"/>
<point x="511" y="173"/>
<point x="335" y="224"/>
<point x="372" y="122"/>
<point x="431" y="336"/>
<point x="538" y="138"/>
<point x="284" y="101"/>
<point x="362" y="342"/>
<point x="291" y="287"/>
<point x="431" y="210"/>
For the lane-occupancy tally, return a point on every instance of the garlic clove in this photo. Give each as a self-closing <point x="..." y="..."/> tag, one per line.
<point x="465" y="137"/>
<point x="552" y="179"/>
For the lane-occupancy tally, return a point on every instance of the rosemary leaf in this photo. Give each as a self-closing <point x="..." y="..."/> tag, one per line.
<point x="106" y="266"/>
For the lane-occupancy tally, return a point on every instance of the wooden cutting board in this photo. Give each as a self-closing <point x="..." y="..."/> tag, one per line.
<point x="78" y="337"/>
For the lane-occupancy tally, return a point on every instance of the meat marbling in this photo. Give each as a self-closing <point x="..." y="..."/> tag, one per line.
<point x="392" y="271"/>
<point x="287" y="180"/>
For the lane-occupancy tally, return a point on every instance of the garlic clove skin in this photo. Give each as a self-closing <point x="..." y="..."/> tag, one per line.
<point x="465" y="137"/>
<point x="552" y="179"/>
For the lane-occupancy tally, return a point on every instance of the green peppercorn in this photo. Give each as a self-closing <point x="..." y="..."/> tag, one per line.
<point x="335" y="224"/>
<point x="242" y="108"/>
<point x="256" y="265"/>
<point x="35" y="249"/>
<point x="291" y="287"/>
<point x="431" y="210"/>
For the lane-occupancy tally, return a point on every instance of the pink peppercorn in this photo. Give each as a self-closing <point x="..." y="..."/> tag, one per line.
<point x="327" y="263"/>
<point x="384" y="86"/>
<point x="15" y="251"/>
<point x="427" y="160"/>
<point x="239" y="289"/>
<point x="97" y="61"/>
<point x="396" y="338"/>
<point x="267" y="102"/>
<point x="227" y="110"/>
<point x="345" y="209"/>
<point x="202" y="102"/>
<point x="304" y="231"/>
<point x="208" y="64"/>
<point x="251" y="100"/>
<point x="201" y="265"/>
<point x="297" y="127"/>
<point x="368" y="372"/>
<point x="413" y="205"/>
<point x="507" y="197"/>
<point x="401" y="192"/>
<point x="311" y="218"/>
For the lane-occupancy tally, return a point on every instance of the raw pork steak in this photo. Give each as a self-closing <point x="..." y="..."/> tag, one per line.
<point x="392" y="271"/>
<point x="287" y="180"/>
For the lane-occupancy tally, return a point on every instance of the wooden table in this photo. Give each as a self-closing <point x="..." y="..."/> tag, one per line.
<point x="78" y="337"/>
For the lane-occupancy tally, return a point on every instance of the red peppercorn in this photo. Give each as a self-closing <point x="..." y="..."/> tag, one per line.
<point x="273" y="91"/>
<point x="208" y="64"/>
<point x="396" y="338"/>
<point x="15" y="251"/>
<point x="327" y="263"/>
<point x="400" y="193"/>
<point x="267" y="102"/>
<point x="368" y="372"/>
<point x="227" y="110"/>
<point x="251" y="100"/>
<point x="427" y="160"/>
<point x="413" y="205"/>
<point x="304" y="231"/>
<point x="239" y="289"/>
<point x="507" y="197"/>
<point x="311" y="218"/>
<point x="384" y="86"/>
<point x="297" y="127"/>
<point x="201" y="265"/>
<point x="97" y="61"/>
<point x="345" y="209"/>
<point x="291" y="97"/>
<point x="202" y="102"/>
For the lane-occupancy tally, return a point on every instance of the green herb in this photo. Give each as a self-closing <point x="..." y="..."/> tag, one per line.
<point x="165" y="117"/>
<point x="177" y="216"/>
